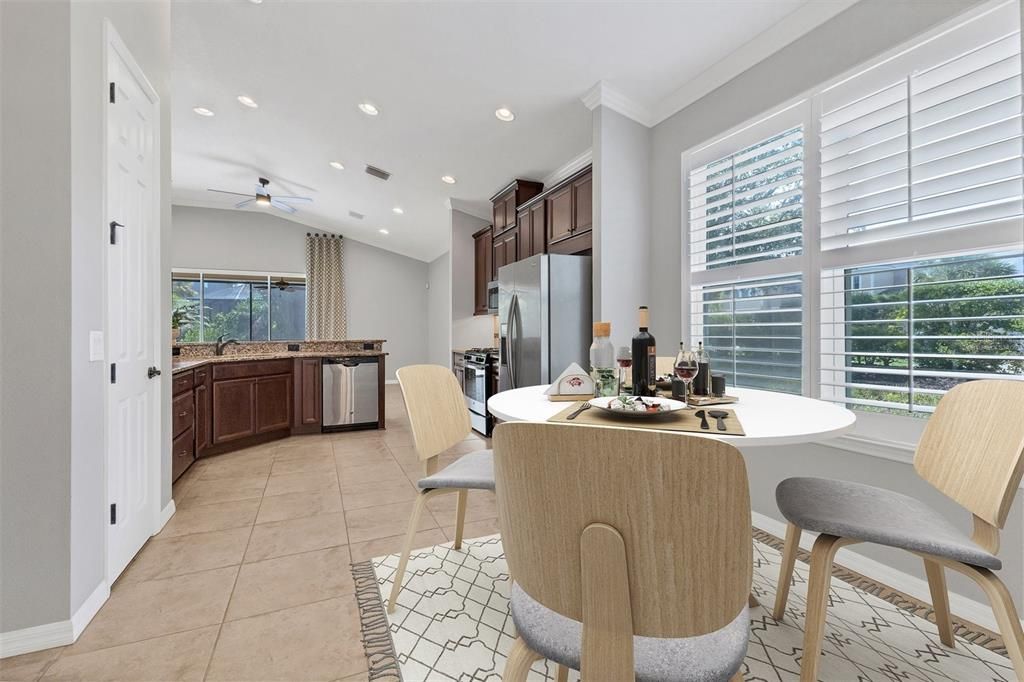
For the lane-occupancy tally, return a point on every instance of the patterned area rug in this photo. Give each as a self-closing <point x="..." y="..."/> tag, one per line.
<point x="452" y="623"/>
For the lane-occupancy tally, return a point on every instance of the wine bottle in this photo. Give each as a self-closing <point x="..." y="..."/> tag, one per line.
<point x="645" y="360"/>
<point x="702" y="382"/>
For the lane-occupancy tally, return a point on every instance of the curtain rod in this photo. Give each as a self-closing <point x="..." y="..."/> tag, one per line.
<point x="328" y="236"/>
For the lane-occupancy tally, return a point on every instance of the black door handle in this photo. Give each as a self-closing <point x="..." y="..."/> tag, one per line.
<point x="152" y="372"/>
<point x="113" y="231"/>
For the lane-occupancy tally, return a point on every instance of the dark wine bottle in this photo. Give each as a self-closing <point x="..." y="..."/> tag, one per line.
<point x="645" y="359"/>
<point x="702" y="382"/>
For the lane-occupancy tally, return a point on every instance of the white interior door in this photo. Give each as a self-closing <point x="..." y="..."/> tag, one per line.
<point x="132" y="213"/>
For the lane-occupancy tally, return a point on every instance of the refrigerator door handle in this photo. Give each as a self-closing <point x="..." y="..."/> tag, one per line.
<point x="510" y="344"/>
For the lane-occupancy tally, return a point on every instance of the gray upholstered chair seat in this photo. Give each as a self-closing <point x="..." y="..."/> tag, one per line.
<point x="863" y="512"/>
<point x="714" y="656"/>
<point x="474" y="471"/>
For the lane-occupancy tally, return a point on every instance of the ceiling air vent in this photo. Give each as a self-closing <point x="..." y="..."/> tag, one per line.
<point x="356" y="215"/>
<point x="377" y="172"/>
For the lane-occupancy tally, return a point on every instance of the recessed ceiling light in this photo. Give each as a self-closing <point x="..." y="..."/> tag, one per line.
<point x="504" y="114"/>
<point x="248" y="101"/>
<point x="448" y="179"/>
<point x="398" y="210"/>
<point x="337" y="165"/>
<point x="203" y="111"/>
<point x="368" y="109"/>
<point x="383" y="231"/>
<point x="256" y="2"/>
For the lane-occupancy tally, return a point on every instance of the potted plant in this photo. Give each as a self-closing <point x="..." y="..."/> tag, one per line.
<point x="185" y="313"/>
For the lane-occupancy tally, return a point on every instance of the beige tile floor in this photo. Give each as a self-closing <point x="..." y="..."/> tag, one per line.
<point x="250" y="578"/>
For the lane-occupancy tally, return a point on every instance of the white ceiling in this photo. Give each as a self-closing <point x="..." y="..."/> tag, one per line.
<point x="437" y="71"/>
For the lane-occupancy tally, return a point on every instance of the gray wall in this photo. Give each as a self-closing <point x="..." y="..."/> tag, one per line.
<point x="468" y="330"/>
<point x="386" y="292"/>
<point x="439" y="301"/>
<point x="826" y="52"/>
<point x="35" y="341"/>
<point x="622" y="222"/>
<point x="52" y="448"/>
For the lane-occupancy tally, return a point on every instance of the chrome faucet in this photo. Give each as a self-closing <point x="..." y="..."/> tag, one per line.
<point x="222" y="344"/>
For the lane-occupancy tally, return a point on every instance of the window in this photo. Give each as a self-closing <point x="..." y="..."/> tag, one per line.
<point x="877" y="220"/>
<point x="753" y="330"/>
<point x="240" y="306"/>
<point x="928" y="140"/>
<point x="748" y="206"/>
<point x="896" y="337"/>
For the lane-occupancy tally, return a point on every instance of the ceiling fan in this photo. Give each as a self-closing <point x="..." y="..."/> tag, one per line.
<point x="264" y="200"/>
<point x="283" y="284"/>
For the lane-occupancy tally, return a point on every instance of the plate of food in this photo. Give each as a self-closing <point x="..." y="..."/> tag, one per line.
<point x="638" y="407"/>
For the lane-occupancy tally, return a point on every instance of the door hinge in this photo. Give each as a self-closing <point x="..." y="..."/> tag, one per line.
<point x="113" y="231"/>
<point x="113" y="514"/>
<point x="112" y="91"/>
<point x="113" y="372"/>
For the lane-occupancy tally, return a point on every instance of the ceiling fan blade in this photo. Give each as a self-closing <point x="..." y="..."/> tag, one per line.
<point x="224" y="191"/>
<point x="243" y="204"/>
<point x="304" y="200"/>
<point x="282" y="206"/>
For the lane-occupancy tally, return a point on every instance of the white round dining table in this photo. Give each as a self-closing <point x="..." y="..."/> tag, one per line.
<point x="768" y="418"/>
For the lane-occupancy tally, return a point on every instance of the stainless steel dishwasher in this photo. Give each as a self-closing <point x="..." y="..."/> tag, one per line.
<point x="350" y="392"/>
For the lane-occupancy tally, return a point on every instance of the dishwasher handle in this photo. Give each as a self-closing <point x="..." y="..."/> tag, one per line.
<point x="350" y="362"/>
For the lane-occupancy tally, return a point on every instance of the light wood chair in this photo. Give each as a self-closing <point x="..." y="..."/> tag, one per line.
<point x="630" y="551"/>
<point x="665" y="365"/>
<point x="439" y="419"/>
<point x="972" y="450"/>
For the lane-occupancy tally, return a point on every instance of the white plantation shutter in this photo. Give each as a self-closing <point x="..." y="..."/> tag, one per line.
<point x="928" y="140"/>
<point x="748" y="206"/>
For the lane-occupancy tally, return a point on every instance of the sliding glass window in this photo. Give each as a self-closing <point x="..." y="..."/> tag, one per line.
<point x="240" y="306"/>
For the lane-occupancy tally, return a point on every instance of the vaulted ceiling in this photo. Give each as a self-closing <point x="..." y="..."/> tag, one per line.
<point x="437" y="71"/>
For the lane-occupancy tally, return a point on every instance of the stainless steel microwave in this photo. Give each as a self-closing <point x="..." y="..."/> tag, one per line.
<point x="492" y="297"/>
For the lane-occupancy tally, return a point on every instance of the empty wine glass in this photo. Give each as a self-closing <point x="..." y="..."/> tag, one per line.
<point x="686" y="367"/>
<point x="624" y="358"/>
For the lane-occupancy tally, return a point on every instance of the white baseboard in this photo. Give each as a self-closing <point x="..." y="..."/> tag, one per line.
<point x="964" y="607"/>
<point x="165" y="515"/>
<point x="61" y="633"/>
<point x="37" y="638"/>
<point x="89" y="608"/>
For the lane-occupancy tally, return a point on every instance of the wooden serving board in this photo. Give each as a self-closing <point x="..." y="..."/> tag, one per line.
<point x="681" y="420"/>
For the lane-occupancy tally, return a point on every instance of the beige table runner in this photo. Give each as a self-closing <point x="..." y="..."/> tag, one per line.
<point x="681" y="420"/>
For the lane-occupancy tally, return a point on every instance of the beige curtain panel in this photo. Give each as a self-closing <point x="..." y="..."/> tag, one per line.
<point x="326" y="313"/>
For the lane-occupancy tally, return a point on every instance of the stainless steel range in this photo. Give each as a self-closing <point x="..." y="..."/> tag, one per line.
<point x="480" y="382"/>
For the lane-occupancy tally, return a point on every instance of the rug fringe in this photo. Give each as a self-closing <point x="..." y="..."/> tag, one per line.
<point x="377" y="643"/>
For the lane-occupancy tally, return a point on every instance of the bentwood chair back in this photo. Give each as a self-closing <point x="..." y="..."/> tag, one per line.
<point x="628" y="533"/>
<point x="972" y="450"/>
<point x="439" y="419"/>
<point x="437" y="410"/>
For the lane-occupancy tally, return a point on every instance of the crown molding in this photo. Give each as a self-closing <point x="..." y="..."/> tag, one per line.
<point x="797" y="23"/>
<point x="472" y="208"/>
<point x="603" y="95"/>
<point x="568" y="168"/>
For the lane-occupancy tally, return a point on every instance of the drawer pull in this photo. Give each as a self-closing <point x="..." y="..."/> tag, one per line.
<point x="182" y="414"/>
<point x="182" y="453"/>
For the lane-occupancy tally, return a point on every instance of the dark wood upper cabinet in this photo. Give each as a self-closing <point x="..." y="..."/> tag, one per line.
<point x="506" y="248"/>
<point x="483" y="269"/>
<point x="559" y="214"/>
<point x="234" y="409"/>
<point x="273" y="403"/>
<point x="508" y="199"/>
<point x="538" y="229"/>
<point x="583" y="203"/>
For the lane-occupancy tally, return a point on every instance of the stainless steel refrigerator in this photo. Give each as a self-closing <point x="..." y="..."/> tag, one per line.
<point x="544" y="312"/>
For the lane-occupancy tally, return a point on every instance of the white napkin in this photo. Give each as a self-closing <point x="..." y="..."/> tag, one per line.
<point x="573" y="381"/>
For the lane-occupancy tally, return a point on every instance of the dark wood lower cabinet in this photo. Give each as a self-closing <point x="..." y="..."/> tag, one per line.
<point x="231" y="405"/>
<point x="234" y="409"/>
<point x="308" y="395"/>
<point x="273" y="403"/>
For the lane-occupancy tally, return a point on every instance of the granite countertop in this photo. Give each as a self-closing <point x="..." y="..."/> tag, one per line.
<point x="180" y="364"/>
